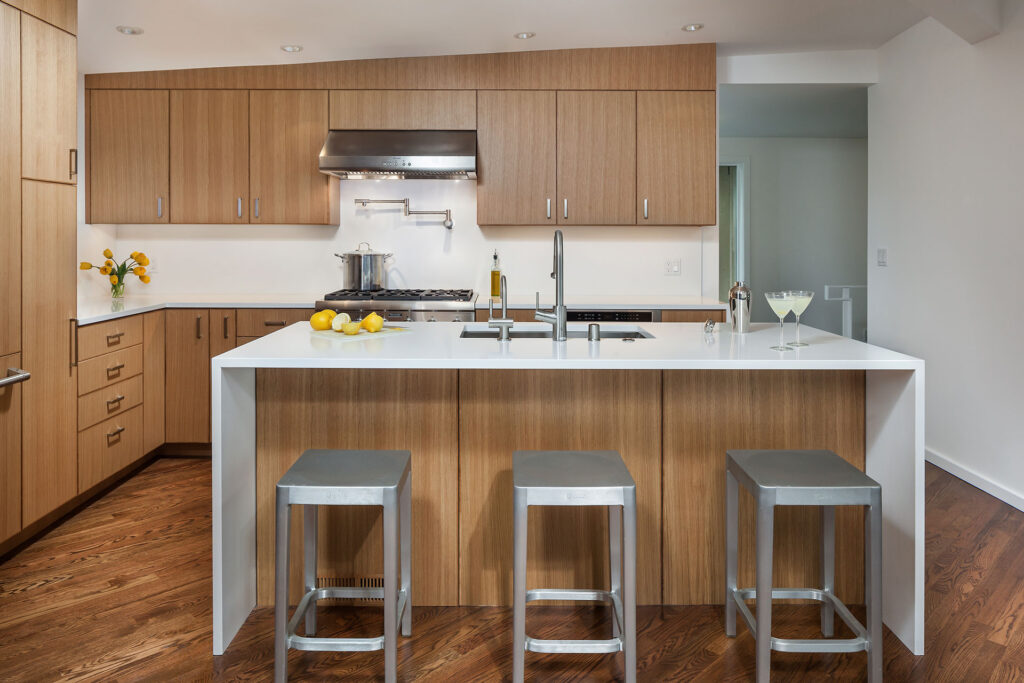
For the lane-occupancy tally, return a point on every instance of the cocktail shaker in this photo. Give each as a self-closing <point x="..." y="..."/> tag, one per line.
<point x="739" y="307"/>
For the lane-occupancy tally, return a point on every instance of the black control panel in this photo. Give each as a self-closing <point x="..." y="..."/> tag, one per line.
<point x="610" y="316"/>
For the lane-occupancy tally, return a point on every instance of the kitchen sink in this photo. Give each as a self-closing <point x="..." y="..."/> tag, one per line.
<point x="481" y="331"/>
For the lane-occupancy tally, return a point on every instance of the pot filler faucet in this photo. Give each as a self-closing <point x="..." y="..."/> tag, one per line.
<point x="555" y="316"/>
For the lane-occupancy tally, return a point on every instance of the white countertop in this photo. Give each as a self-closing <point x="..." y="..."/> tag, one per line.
<point x="618" y="302"/>
<point x="98" y="309"/>
<point x="674" y="346"/>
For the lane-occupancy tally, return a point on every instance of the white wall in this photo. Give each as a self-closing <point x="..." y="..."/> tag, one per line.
<point x="946" y="197"/>
<point x="808" y="220"/>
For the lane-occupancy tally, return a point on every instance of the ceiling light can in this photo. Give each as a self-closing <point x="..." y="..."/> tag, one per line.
<point x="129" y="30"/>
<point x="291" y="48"/>
<point x="693" y="27"/>
<point x="524" y="35"/>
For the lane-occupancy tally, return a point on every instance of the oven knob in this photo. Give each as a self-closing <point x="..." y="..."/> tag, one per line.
<point x="431" y="319"/>
<point x="456" y="319"/>
<point x="408" y="318"/>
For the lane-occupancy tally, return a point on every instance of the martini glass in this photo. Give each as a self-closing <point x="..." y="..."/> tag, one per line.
<point x="801" y="300"/>
<point x="781" y="304"/>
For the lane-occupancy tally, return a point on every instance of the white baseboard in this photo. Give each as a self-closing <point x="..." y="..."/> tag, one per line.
<point x="974" y="479"/>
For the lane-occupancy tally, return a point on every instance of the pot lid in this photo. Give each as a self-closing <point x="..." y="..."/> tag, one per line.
<point x="359" y="251"/>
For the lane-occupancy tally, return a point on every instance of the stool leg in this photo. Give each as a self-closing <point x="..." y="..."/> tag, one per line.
<point x="615" y="559"/>
<point x="873" y="587"/>
<point x="405" y="533"/>
<point x="629" y="583"/>
<point x="519" y="589"/>
<point x="281" y="588"/>
<point x="732" y="506"/>
<point x="765" y="536"/>
<point x="828" y="567"/>
<point x="309" y="547"/>
<point x="390" y="588"/>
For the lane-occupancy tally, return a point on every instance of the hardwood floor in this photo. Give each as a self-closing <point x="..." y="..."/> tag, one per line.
<point x="121" y="591"/>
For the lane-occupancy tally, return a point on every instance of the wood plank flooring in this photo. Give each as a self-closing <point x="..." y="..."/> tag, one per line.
<point x="121" y="591"/>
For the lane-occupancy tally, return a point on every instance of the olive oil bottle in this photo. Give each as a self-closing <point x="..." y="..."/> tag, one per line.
<point x="495" y="275"/>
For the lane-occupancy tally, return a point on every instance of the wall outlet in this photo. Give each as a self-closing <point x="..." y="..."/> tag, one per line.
<point x="674" y="267"/>
<point x="883" y="257"/>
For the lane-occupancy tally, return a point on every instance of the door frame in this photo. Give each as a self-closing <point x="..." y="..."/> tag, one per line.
<point x="741" y="214"/>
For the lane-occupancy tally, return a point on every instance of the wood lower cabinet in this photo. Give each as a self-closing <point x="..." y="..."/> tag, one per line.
<point x="10" y="451"/>
<point x="187" y="380"/>
<point x="222" y="330"/>
<point x="49" y="101"/>
<point x="49" y="426"/>
<point x="154" y="358"/>
<point x="128" y="156"/>
<point x="676" y="158"/>
<point x="114" y="335"/>
<point x="10" y="180"/>
<point x="516" y="156"/>
<point x="108" y="447"/>
<point x="256" y="322"/>
<point x="693" y="316"/>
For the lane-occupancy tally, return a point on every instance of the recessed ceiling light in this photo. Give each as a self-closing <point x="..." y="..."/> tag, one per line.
<point x="693" y="27"/>
<point x="525" y="35"/>
<point x="291" y="48"/>
<point x="129" y="30"/>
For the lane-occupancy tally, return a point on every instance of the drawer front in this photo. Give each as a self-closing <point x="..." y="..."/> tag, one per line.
<point x="95" y="340"/>
<point x="111" y="368"/>
<point x="693" y="316"/>
<point x="256" y="322"/>
<point x="111" y="445"/>
<point x="106" y="403"/>
<point x="244" y="340"/>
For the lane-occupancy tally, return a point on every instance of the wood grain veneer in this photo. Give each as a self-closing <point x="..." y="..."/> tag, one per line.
<point x="61" y="13"/>
<point x="209" y="148"/>
<point x="110" y="368"/>
<point x="516" y="158"/>
<point x="403" y="109"/>
<point x="109" y="447"/>
<point x="256" y="322"/>
<point x="693" y="316"/>
<point x="49" y="113"/>
<point x="501" y="412"/>
<point x="10" y="180"/>
<point x="676" y="158"/>
<point x="105" y="403"/>
<point x="404" y="409"/>
<point x="154" y="358"/>
<point x="596" y="158"/>
<point x="99" y="338"/>
<point x="656" y="67"/>
<point x="710" y="411"/>
<point x="222" y="331"/>
<point x="187" y="379"/>
<point x="10" y="451"/>
<point x="520" y="315"/>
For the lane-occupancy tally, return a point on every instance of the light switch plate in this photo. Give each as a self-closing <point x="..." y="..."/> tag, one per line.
<point x="674" y="267"/>
<point x="883" y="257"/>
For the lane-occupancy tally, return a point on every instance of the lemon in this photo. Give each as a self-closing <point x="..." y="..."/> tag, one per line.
<point x="330" y="311"/>
<point x="321" y="320"/>
<point x="372" y="323"/>
<point x="350" y="328"/>
<point x="339" y="320"/>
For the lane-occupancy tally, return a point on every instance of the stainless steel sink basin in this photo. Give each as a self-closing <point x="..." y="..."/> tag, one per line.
<point x="617" y="332"/>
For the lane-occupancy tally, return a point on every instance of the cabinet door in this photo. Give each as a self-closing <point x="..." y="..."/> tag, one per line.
<point x="10" y="181"/>
<point x="188" y="376"/>
<point x="222" y="331"/>
<point x="153" y="378"/>
<point x="49" y="410"/>
<point x="596" y="158"/>
<point x="10" y="451"/>
<point x="676" y="158"/>
<point x="49" y="92"/>
<point x="516" y="157"/>
<point x="128" y="156"/>
<point x="209" y="156"/>
<point x="61" y="13"/>
<point x="287" y="128"/>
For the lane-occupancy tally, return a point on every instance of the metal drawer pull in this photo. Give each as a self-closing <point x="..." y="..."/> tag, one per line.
<point x="565" y="208"/>
<point x="114" y="368"/>
<point x="115" y="335"/>
<point x="274" y="323"/>
<point x="14" y="376"/>
<point x="159" y="207"/>
<point x="256" y="206"/>
<point x="549" y="207"/>
<point x="116" y="399"/>
<point x="73" y="344"/>
<point x="72" y="163"/>
<point x="199" y="327"/>
<point x="239" y="207"/>
<point x="645" y="207"/>
<point x="115" y="432"/>
<point x="225" y="327"/>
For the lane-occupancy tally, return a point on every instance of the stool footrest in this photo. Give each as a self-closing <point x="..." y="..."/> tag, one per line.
<point x="577" y="646"/>
<point x="858" y="643"/>
<point x="297" y="642"/>
<point x="574" y="646"/>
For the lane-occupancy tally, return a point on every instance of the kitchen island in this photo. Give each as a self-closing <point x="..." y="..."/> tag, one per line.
<point x="671" y="404"/>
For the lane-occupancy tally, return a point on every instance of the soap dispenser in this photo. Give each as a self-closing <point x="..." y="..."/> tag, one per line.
<point x="495" y="275"/>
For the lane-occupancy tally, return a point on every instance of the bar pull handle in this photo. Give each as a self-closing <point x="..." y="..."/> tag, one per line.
<point x="273" y="323"/>
<point x="72" y="163"/>
<point x="115" y="368"/>
<point x="225" y="327"/>
<point x="116" y="431"/>
<point x="256" y="207"/>
<point x="73" y="346"/>
<point x="549" y="207"/>
<point x="116" y="399"/>
<point x="199" y="327"/>
<point x="159" y="207"/>
<point x="645" y="208"/>
<point x="14" y="376"/>
<point x="565" y="208"/>
<point x="114" y="337"/>
<point x="239" y="207"/>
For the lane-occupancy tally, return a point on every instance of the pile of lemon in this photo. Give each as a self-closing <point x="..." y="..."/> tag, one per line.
<point x="342" y="322"/>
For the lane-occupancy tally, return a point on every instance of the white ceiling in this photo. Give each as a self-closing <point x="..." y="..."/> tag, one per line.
<point x="792" y="111"/>
<point x="197" y="33"/>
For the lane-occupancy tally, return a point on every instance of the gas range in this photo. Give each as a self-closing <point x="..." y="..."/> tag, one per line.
<point x="430" y="305"/>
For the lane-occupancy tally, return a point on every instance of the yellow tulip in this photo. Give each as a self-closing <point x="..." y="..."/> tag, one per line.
<point x="105" y="270"/>
<point x="139" y="270"/>
<point x="113" y="279"/>
<point x="108" y="263"/>
<point x="85" y="265"/>
<point x="134" y="254"/>
<point x="145" y="278"/>
<point x="107" y="253"/>
<point x="143" y="260"/>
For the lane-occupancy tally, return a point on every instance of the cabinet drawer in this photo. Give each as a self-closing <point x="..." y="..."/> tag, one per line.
<point x="111" y="445"/>
<point x="111" y="368"/>
<point x="244" y="340"/>
<point x="256" y="322"/>
<point x="95" y="340"/>
<point x="693" y="315"/>
<point x="106" y="403"/>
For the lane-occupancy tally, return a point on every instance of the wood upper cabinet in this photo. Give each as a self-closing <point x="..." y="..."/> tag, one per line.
<point x="516" y="157"/>
<point x="209" y="156"/>
<point x="128" y="156"/>
<point x="676" y="161"/>
<point x="49" y="91"/>
<point x="187" y="380"/>
<point x="287" y="128"/>
<point x="596" y="158"/>
<point x="10" y="182"/>
<point x="61" y="13"/>
<point x="403" y="109"/>
<point x="49" y="398"/>
<point x="10" y="451"/>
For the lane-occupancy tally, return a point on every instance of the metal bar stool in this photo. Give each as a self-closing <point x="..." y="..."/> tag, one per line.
<point x="819" y="478"/>
<point x="578" y="478"/>
<point x="334" y="477"/>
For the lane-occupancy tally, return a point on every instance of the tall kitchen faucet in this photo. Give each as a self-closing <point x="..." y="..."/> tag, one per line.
<point x="556" y="316"/>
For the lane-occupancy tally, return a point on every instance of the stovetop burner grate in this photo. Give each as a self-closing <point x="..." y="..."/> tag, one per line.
<point x="401" y="295"/>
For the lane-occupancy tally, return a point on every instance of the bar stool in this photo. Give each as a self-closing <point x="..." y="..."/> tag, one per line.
<point x="578" y="478"/>
<point x="335" y="477"/>
<point x="819" y="478"/>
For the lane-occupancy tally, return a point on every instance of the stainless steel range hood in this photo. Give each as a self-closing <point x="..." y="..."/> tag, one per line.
<point x="444" y="154"/>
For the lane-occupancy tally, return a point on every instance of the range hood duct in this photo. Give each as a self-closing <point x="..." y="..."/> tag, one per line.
<point x="433" y="154"/>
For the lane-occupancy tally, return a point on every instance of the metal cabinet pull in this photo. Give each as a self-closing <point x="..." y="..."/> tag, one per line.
<point x="114" y="336"/>
<point x="225" y="327"/>
<point x="116" y="399"/>
<point x="159" y="207"/>
<point x="115" y="432"/>
<point x="274" y="323"/>
<point x="73" y="346"/>
<point x="645" y="207"/>
<point x="256" y="207"/>
<point x="14" y="376"/>
<point x="72" y="163"/>
<point x="199" y="327"/>
<point x="239" y="207"/>
<point x="115" y="368"/>
<point x="565" y="208"/>
<point x="549" y="207"/>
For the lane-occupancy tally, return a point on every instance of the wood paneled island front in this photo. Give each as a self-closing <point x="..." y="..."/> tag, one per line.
<point x="671" y="405"/>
